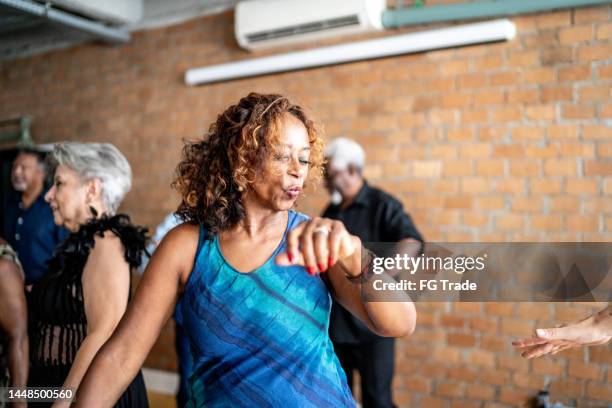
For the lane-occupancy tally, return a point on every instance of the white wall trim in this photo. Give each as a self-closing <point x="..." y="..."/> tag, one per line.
<point x="159" y="381"/>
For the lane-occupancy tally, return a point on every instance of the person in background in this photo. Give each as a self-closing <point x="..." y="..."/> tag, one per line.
<point x="28" y="221"/>
<point x="593" y="330"/>
<point x="13" y="323"/>
<point x="78" y="304"/>
<point x="373" y="216"/>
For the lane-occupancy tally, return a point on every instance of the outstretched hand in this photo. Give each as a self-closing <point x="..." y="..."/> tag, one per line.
<point x="586" y="332"/>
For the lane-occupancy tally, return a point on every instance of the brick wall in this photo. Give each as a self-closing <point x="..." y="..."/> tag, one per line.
<point x="508" y="141"/>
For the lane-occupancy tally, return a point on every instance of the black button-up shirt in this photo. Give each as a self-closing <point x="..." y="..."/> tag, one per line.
<point x="32" y="234"/>
<point x="373" y="216"/>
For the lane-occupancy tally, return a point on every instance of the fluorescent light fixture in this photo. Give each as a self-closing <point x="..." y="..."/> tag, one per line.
<point x="496" y="30"/>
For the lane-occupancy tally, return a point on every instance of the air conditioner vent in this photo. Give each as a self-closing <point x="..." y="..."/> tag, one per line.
<point x="318" y="26"/>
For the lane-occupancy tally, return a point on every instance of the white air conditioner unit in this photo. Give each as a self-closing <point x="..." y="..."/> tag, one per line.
<point x="111" y="11"/>
<point x="268" y="23"/>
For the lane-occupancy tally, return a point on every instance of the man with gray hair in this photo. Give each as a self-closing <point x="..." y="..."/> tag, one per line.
<point x="28" y="221"/>
<point x="374" y="216"/>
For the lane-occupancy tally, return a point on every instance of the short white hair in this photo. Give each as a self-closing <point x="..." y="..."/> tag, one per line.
<point x="101" y="161"/>
<point x="342" y="152"/>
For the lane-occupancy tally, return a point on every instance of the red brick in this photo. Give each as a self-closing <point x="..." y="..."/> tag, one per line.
<point x="600" y="391"/>
<point x="525" y="168"/>
<point x="509" y="222"/>
<point x="604" y="150"/>
<point x="503" y="78"/>
<point x="515" y="396"/>
<point x="461" y="339"/>
<point x="535" y="151"/>
<point x="582" y="111"/>
<point x="452" y="321"/>
<point x="446" y="355"/>
<point x="457" y="168"/>
<point x="508" y="151"/>
<point x="583" y="223"/>
<point x="527" y="133"/>
<point x="548" y="366"/>
<point x="594" y="52"/>
<point x="480" y="392"/>
<point x="528" y="381"/>
<point x="568" y="204"/>
<point x="526" y="58"/>
<point x="586" y="371"/>
<point x="591" y="14"/>
<point x="490" y="168"/>
<point x="514" y="363"/>
<point x="598" y="168"/>
<point x="460" y="202"/>
<point x="484" y="323"/>
<point x="449" y="389"/>
<point x="575" y="73"/>
<point x="553" y="19"/>
<point x="563" y="131"/>
<point x="596" y="132"/>
<point x="417" y="384"/>
<point x="499" y="308"/>
<point x="556" y="93"/>
<point x="527" y="204"/>
<point x="560" y="167"/>
<point x="567" y="387"/>
<point x="546" y="222"/>
<point x="463" y="373"/>
<point x="493" y="343"/>
<point x="604" y="31"/>
<point x="522" y="95"/>
<point x="539" y="75"/>
<point x="516" y="327"/>
<point x="575" y="34"/>
<point x="601" y="355"/>
<point x="600" y="92"/>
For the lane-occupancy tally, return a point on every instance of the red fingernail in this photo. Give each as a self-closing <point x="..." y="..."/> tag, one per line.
<point x="331" y="261"/>
<point x="290" y="256"/>
<point x="321" y="267"/>
<point x="311" y="270"/>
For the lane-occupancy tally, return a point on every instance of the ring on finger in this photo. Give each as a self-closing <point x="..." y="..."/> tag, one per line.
<point x="321" y="230"/>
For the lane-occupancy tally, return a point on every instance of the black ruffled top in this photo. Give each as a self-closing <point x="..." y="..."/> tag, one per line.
<point x="57" y="312"/>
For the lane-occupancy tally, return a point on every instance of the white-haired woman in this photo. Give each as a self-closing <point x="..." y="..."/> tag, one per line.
<point x="77" y="305"/>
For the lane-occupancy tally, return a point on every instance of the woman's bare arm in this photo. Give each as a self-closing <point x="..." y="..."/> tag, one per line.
<point x="14" y="321"/>
<point x="388" y="319"/>
<point x="120" y="358"/>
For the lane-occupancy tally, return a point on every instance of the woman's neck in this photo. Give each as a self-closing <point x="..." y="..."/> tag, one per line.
<point x="260" y="220"/>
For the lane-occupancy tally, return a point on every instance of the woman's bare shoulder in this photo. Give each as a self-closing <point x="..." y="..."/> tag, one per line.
<point x="183" y="234"/>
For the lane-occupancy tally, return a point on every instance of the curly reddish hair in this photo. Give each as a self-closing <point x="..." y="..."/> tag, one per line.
<point x="214" y="171"/>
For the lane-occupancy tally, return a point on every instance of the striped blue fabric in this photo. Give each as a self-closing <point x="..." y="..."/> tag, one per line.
<point x="259" y="339"/>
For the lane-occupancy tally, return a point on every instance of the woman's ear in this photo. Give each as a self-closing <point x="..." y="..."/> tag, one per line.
<point x="94" y="190"/>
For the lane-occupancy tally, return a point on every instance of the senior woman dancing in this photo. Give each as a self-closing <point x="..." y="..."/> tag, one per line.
<point x="244" y="270"/>
<point x="78" y="304"/>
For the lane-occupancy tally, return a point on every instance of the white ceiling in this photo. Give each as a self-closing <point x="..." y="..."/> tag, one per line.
<point x="22" y="35"/>
<point x="159" y="13"/>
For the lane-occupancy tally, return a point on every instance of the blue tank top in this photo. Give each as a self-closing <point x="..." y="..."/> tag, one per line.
<point x="259" y="339"/>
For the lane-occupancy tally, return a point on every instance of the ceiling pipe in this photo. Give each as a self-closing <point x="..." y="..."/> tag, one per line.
<point x="478" y="9"/>
<point x="109" y="34"/>
<point x="455" y="36"/>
